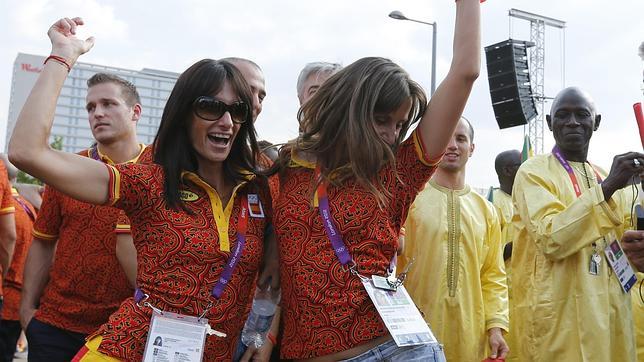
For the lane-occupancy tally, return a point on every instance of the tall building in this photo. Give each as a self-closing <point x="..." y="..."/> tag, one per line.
<point x="70" y="121"/>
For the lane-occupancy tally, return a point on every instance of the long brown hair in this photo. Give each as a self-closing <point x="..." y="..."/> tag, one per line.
<point x="338" y="122"/>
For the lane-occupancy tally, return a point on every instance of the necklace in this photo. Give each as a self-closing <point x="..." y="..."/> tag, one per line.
<point x="583" y="171"/>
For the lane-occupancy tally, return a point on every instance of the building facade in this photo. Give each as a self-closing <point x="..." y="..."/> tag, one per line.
<point x="70" y="121"/>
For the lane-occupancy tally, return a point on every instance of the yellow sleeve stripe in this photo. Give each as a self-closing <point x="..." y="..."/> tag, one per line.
<point x="122" y="229"/>
<point x="7" y="210"/>
<point x="114" y="187"/>
<point x="43" y="236"/>
<point x="421" y="151"/>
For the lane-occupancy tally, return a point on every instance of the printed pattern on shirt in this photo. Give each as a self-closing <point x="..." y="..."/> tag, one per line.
<point x="180" y="261"/>
<point x="13" y="280"/>
<point x="87" y="283"/>
<point x="6" y="203"/>
<point x="325" y="309"/>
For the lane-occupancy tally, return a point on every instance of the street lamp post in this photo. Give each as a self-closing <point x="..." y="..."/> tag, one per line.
<point x="399" y="16"/>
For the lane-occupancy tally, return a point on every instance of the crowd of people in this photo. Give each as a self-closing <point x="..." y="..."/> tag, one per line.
<point x="136" y="248"/>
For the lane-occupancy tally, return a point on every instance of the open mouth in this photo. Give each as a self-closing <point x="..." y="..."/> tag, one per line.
<point x="220" y="139"/>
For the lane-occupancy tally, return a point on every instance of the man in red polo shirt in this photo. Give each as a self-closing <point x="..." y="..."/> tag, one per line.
<point x="72" y="277"/>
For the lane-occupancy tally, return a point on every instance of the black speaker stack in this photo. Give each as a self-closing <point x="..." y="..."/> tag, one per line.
<point x="509" y="79"/>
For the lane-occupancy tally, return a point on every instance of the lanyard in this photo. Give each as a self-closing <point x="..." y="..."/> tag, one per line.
<point x="93" y="153"/>
<point x="339" y="247"/>
<point x="26" y="208"/>
<point x="231" y="263"/>
<point x="557" y="153"/>
<point x="233" y="259"/>
<point x="332" y="232"/>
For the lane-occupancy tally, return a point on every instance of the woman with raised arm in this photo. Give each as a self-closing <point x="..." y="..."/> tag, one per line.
<point x="198" y="213"/>
<point x="346" y="184"/>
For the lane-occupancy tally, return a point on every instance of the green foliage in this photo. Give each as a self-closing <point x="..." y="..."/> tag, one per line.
<point x="25" y="178"/>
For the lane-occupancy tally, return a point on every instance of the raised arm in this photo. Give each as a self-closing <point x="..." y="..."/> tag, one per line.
<point x="447" y="103"/>
<point x="80" y="177"/>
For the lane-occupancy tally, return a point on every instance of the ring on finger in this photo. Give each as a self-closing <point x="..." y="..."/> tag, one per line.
<point x="636" y="162"/>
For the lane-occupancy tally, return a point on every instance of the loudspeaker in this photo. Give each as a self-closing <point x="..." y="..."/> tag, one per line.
<point x="509" y="79"/>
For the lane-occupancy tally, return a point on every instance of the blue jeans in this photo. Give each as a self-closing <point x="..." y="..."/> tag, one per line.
<point x="388" y="351"/>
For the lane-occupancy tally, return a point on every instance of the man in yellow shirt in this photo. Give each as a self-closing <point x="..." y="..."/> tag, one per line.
<point x="458" y="278"/>
<point x="567" y="303"/>
<point x="506" y="165"/>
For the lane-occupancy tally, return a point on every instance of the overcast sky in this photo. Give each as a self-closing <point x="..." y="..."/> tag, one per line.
<point x="601" y="41"/>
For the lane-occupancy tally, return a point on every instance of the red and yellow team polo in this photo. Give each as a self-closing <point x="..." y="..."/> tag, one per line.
<point x="181" y="256"/>
<point x="87" y="283"/>
<point x="325" y="308"/>
<point x="25" y="216"/>
<point x="6" y="201"/>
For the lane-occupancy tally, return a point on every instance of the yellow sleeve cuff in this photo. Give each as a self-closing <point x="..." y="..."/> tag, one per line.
<point x="37" y="234"/>
<point x="498" y="323"/>
<point x="609" y="206"/>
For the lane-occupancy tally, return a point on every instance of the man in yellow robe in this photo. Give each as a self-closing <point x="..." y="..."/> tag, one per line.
<point x="457" y="278"/>
<point x="567" y="304"/>
<point x="506" y="165"/>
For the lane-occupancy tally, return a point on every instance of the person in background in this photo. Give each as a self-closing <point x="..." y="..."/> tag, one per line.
<point x="457" y="279"/>
<point x="311" y="78"/>
<point x="567" y="302"/>
<point x="25" y="216"/>
<point x="73" y="280"/>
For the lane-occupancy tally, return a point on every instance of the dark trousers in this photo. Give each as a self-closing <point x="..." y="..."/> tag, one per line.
<point x="52" y="344"/>
<point x="9" y="334"/>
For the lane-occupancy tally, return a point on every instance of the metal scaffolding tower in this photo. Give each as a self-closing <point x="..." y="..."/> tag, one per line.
<point x="538" y="25"/>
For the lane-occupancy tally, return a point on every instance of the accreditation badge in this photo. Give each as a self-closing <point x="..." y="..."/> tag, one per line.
<point x="175" y="337"/>
<point x="620" y="265"/>
<point x="402" y="318"/>
<point x="255" y="208"/>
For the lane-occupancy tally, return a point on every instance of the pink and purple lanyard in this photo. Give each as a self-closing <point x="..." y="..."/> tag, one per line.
<point x="26" y="208"/>
<point x="332" y="232"/>
<point x="557" y="153"/>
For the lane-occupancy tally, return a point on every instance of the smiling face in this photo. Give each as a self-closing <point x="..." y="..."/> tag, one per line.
<point x="459" y="150"/>
<point x="388" y="125"/>
<point x="572" y="121"/>
<point x="213" y="140"/>
<point x="110" y="117"/>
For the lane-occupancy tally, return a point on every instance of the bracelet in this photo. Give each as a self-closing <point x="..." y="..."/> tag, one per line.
<point x="60" y="60"/>
<point x="271" y="338"/>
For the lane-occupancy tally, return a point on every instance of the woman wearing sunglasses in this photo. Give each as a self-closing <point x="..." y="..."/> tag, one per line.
<point x="198" y="214"/>
<point x="346" y="184"/>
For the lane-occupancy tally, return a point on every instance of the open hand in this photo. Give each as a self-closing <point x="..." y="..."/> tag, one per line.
<point x="64" y="42"/>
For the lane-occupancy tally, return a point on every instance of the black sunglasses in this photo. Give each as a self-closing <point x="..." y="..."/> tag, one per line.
<point x="210" y="109"/>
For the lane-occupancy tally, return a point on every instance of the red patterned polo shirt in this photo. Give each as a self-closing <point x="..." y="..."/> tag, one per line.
<point x="325" y="308"/>
<point x="25" y="216"/>
<point x="6" y="203"/>
<point x="86" y="281"/>
<point x="180" y="258"/>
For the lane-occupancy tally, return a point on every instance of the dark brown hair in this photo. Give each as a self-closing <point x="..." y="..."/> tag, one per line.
<point x="173" y="147"/>
<point x="338" y="121"/>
